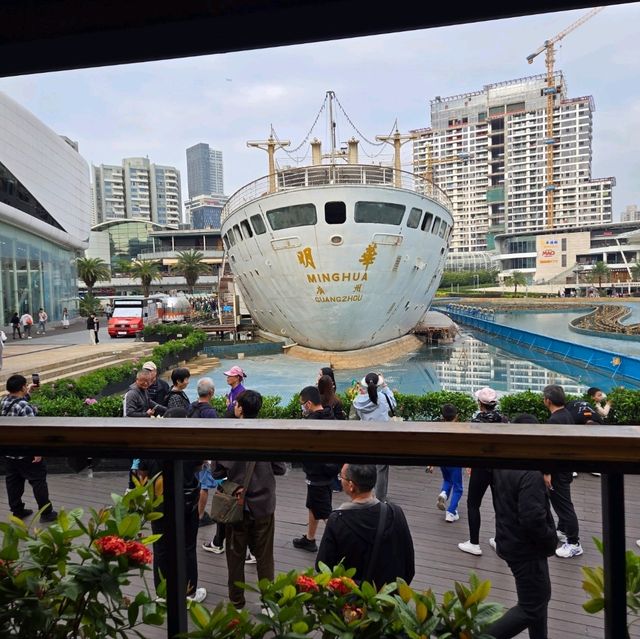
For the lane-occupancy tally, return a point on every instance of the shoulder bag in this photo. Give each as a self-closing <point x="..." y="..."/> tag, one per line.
<point x="227" y="503"/>
<point x="392" y="413"/>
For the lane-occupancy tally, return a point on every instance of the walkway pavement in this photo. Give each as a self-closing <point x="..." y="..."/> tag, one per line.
<point x="438" y="560"/>
<point x="59" y="349"/>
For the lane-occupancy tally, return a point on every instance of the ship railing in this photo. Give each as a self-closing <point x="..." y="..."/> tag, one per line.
<point x="331" y="175"/>
<point x="611" y="450"/>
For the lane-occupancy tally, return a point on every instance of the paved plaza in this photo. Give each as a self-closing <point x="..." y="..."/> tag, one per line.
<point x="438" y="560"/>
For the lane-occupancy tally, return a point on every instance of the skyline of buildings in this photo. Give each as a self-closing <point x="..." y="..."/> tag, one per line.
<point x="487" y="150"/>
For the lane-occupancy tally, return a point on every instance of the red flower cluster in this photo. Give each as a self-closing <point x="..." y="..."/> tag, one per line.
<point x="111" y="546"/>
<point x="341" y="585"/>
<point x="233" y="623"/>
<point x="306" y="584"/>
<point x="138" y="553"/>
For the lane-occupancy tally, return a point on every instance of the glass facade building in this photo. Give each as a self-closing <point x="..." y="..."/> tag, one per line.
<point x="35" y="273"/>
<point x="45" y="209"/>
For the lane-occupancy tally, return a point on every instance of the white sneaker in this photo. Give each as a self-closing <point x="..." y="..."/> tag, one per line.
<point x="198" y="596"/>
<point x="562" y="537"/>
<point x="472" y="549"/>
<point x="492" y="543"/>
<point x="441" y="501"/>
<point x="597" y="474"/>
<point x="638" y="542"/>
<point x="566" y="551"/>
<point x="575" y="474"/>
<point x="211" y="547"/>
<point x="451" y="517"/>
<point x="250" y="558"/>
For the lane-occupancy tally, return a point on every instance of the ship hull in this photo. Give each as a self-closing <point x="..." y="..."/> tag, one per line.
<point x="336" y="284"/>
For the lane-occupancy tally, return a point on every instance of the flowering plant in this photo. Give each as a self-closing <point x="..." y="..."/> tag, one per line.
<point x="65" y="581"/>
<point x="329" y="603"/>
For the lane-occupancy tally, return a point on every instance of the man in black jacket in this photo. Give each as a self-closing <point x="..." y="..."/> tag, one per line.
<point x="351" y="531"/>
<point x="525" y="537"/>
<point x="319" y="476"/>
<point x="559" y="484"/>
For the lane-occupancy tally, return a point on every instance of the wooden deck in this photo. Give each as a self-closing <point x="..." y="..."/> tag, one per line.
<point x="438" y="560"/>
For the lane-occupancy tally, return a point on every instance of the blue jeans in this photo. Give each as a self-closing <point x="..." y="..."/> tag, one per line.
<point x="452" y="485"/>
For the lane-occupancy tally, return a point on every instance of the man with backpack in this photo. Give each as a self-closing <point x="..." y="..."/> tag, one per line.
<point x="202" y="408"/>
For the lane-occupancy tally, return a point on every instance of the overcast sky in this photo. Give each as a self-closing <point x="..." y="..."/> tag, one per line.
<point x="158" y="109"/>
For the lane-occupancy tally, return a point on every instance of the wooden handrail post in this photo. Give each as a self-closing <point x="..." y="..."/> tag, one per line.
<point x="174" y="547"/>
<point x="614" y="560"/>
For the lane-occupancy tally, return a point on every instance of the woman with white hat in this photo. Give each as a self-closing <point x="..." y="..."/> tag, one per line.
<point x="374" y="403"/>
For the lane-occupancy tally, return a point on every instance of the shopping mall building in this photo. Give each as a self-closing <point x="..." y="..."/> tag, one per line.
<point x="45" y="206"/>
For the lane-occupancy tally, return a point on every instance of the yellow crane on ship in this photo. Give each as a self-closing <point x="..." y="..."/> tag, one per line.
<point x="551" y="90"/>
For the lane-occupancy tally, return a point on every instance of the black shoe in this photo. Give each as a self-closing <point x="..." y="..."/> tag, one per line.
<point x="25" y="512"/>
<point x="205" y="520"/>
<point x="49" y="516"/>
<point x="305" y="544"/>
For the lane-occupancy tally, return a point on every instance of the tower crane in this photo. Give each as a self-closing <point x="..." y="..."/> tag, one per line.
<point x="462" y="157"/>
<point x="550" y="91"/>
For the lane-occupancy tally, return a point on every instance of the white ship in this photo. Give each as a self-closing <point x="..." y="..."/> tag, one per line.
<point x="337" y="256"/>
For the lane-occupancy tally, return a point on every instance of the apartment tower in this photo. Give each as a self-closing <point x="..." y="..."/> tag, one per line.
<point x="487" y="150"/>
<point x="204" y="171"/>
<point x="137" y="189"/>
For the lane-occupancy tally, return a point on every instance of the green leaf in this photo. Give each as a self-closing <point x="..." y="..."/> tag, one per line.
<point x="129" y="526"/>
<point x="151" y="539"/>
<point x="594" y="605"/>
<point x="199" y="614"/>
<point x="479" y="594"/>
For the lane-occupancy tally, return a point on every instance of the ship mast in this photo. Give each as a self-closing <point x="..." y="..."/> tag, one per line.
<point x="270" y="147"/>
<point x="331" y="95"/>
<point x="397" y="139"/>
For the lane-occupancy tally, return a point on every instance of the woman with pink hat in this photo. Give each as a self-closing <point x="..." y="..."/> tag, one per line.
<point x="235" y="377"/>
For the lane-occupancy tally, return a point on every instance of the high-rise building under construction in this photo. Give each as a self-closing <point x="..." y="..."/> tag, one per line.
<point x="488" y="151"/>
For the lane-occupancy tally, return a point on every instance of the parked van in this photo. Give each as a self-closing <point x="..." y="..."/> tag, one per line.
<point x="131" y="314"/>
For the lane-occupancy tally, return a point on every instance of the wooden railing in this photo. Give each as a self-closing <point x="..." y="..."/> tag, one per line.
<point x="612" y="450"/>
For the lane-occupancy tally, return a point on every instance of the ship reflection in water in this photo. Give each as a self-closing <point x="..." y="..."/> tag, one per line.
<point x="465" y="366"/>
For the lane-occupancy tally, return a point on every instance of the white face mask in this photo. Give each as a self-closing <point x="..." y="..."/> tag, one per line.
<point x="305" y="409"/>
<point x="603" y="397"/>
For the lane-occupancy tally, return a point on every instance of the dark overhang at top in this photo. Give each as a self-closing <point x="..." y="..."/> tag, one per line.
<point x="51" y="35"/>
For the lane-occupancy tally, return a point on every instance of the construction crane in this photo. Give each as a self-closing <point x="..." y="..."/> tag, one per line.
<point x="461" y="157"/>
<point x="550" y="91"/>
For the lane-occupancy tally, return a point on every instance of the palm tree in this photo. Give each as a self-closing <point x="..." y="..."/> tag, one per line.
<point x="146" y="271"/>
<point x="92" y="270"/>
<point x="121" y="265"/>
<point x="599" y="272"/>
<point x="516" y="279"/>
<point x="191" y="267"/>
<point x="635" y="269"/>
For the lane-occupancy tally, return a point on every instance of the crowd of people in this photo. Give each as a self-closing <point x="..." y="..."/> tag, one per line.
<point x="526" y="533"/>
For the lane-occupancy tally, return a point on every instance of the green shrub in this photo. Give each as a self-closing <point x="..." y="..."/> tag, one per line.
<point x="167" y="330"/>
<point x="525" y="402"/>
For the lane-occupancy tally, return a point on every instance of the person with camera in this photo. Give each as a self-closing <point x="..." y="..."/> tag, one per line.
<point x="30" y="468"/>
